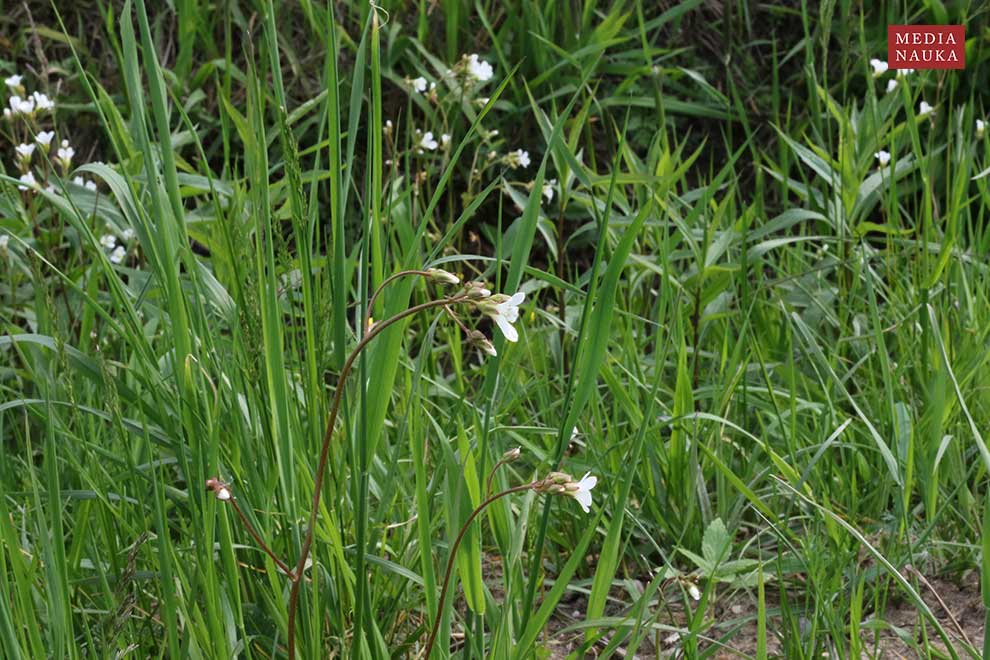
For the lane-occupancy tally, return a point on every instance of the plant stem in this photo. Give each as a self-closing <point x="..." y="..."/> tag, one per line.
<point x="257" y="537"/>
<point x="453" y="555"/>
<point x="381" y="287"/>
<point x="321" y="467"/>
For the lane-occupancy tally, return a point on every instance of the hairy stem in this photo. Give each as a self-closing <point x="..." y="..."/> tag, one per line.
<point x="453" y="555"/>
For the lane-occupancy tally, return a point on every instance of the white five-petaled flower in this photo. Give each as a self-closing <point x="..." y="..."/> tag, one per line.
<point x="504" y="310"/>
<point x="419" y="84"/>
<point x="980" y="128"/>
<point x="427" y="141"/>
<point x="27" y="181"/>
<point x="108" y="241"/>
<point x="14" y="81"/>
<point x="883" y="157"/>
<point x="891" y="85"/>
<point x="479" y="69"/>
<point x="879" y="67"/>
<point x="581" y="490"/>
<point x="44" y="138"/>
<point x="118" y="254"/>
<point x="24" y="151"/>
<point x="925" y="109"/>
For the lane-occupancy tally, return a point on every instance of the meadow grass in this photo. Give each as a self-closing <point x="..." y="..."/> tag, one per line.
<point x="770" y="347"/>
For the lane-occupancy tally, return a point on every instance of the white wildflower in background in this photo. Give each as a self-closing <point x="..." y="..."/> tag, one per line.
<point x="879" y="67"/>
<point x="427" y="141"/>
<point x="445" y="139"/>
<point x="905" y="72"/>
<point x="127" y="234"/>
<point x="27" y="181"/>
<point x="19" y="106"/>
<point x="980" y="128"/>
<point x="108" y="241"/>
<point x="4" y="240"/>
<point x="547" y="189"/>
<point x="891" y="85"/>
<point x="518" y="158"/>
<point x="883" y="157"/>
<point x="65" y="154"/>
<point x="925" y="109"/>
<point x="42" y="102"/>
<point x="14" y="82"/>
<point x="419" y="84"/>
<point x="90" y="185"/>
<point x="44" y="138"/>
<point x="478" y="69"/>
<point x="118" y="254"/>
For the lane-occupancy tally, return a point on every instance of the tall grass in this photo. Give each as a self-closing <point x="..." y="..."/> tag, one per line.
<point x="770" y="351"/>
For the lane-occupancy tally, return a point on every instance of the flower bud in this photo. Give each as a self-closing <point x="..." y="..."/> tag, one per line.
<point x="440" y="276"/>
<point x="512" y="454"/>
<point x="477" y="290"/>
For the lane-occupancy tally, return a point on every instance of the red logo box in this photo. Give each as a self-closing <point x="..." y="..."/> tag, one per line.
<point x="926" y="46"/>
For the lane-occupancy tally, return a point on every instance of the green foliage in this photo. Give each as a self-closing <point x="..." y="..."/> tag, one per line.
<point x="769" y="347"/>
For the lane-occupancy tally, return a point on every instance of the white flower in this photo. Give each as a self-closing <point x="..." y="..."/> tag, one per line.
<point x="42" y="102"/>
<point x="694" y="591"/>
<point x="427" y="141"/>
<point x="419" y="84"/>
<point x="19" y="106"/>
<point x="479" y="69"/>
<point x="879" y="67"/>
<point x="518" y="158"/>
<point x="905" y="72"/>
<point x="505" y="312"/>
<point x="108" y="241"/>
<point x="223" y="494"/>
<point x="925" y="109"/>
<point x="51" y="189"/>
<point x="445" y="139"/>
<point x="7" y="114"/>
<point x="127" y="234"/>
<point x="27" y="181"/>
<point x="24" y="151"/>
<point x="44" y="138"/>
<point x="65" y="154"/>
<point x="891" y="85"/>
<point x="547" y="189"/>
<point x="4" y="240"/>
<point x="883" y="157"/>
<point x="90" y="185"/>
<point x="79" y="181"/>
<point x="14" y="81"/>
<point x="118" y="254"/>
<point x="581" y="491"/>
<point x="980" y="128"/>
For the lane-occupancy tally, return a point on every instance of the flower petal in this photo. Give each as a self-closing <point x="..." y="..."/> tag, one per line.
<point x="583" y="498"/>
<point x="506" y="328"/>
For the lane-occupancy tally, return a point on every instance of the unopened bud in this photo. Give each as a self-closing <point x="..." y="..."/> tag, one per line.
<point x="477" y="290"/>
<point x="440" y="276"/>
<point x="479" y="339"/>
<point x="512" y="454"/>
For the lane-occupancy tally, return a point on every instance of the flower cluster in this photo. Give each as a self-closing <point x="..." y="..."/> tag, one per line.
<point x="561" y="483"/>
<point x="26" y="113"/>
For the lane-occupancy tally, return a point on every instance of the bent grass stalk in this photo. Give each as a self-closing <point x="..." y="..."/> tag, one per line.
<point x="295" y="575"/>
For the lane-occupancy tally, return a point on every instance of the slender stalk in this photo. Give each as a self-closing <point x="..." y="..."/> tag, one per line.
<point x="321" y="467"/>
<point x="453" y="555"/>
<point x="381" y="287"/>
<point x="257" y="537"/>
